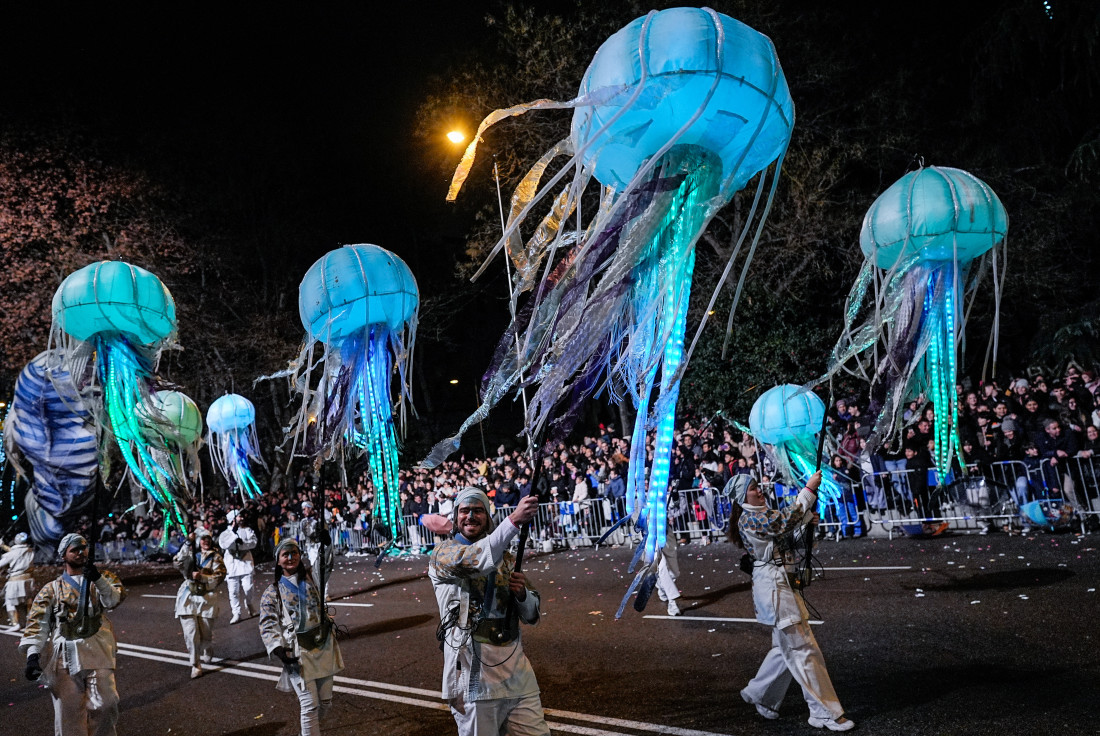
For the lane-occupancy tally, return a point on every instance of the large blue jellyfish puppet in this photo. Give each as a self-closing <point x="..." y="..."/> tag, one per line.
<point x="359" y="305"/>
<point x="49" y="428"/>
<point x="676" y="113"/>
<point x="233" y="444"/>
<point x="787" y="420"/>
<point x="928" y="241"/>
<point x="111" y="320"/>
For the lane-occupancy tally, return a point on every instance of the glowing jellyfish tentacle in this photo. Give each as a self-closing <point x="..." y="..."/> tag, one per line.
<point x="377" y="416"/>
<point x="123" y="372"/>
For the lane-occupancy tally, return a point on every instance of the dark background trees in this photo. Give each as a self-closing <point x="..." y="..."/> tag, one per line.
<point x="227" y="155"/>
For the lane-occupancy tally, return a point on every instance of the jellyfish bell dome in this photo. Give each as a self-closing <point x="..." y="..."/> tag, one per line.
<point x="355" y="286"/>
<point x="936" y="214"/>
<point x="114" y="297"/>
<point x="172" y="417"/>
<point x="230" y="412"/>
<point x="785" y="412"/>
<point x="685" y="61"/>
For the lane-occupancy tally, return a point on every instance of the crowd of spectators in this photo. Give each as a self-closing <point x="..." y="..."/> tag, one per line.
<point x="1040" y="422"/>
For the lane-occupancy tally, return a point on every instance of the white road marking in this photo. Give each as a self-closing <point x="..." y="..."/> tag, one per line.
<point x="150" y="595"/>
<point x="355" y="605"/>
<point x="886" y="567"/>
<point x="815" y="622"/>
<point x="344" y="685"/>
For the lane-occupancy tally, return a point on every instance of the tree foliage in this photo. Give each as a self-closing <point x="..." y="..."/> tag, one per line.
<point x="1006" y="90"/>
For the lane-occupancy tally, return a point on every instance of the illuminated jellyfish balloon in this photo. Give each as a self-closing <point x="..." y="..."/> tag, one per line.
<point x="677" y="112"/>
<point x="920" y="238"/>
<point x="172" y="424"/>
<point x="112" y="319"/>
<point x="231" y="421"/>
<point x="787" y="419"/>
<point x="359" y="304"/>
<point x="49" y="427"/>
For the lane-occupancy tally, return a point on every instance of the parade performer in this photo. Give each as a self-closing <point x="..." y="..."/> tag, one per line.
<point x="769" y="536"/>
<point x="238" y="541"/>
<point x="487" y="679"/>
<point x="316" y="541"/>
<point x="196" y="601"/>
<point x="296" y="629"/>
<point x="668" y="570"/>
<point x="18" y="560"/>
<point x="79" y="646"/>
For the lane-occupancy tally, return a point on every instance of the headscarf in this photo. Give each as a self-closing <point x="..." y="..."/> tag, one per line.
<point x="737" y="487"/>
<point x="68" y="541"/>
<point x="469" y="495"/>
<point x="286" y="542"/>
<point x="202" y="532"/>
<point x="21" y="538"/>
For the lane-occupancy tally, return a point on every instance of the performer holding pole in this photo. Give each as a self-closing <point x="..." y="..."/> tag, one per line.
<point x="769" y="536"/>
<point x="18" y="561"/>
<point x="238" y="540"/>
<point x="296" y="629"/>
<point x="79" y="650"/>
<point x="487" y="679"/>
<point x="197" y="601"/>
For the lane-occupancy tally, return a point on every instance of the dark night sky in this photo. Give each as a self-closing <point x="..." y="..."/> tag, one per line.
<point x="320" y="102"/>
<point x="325" y="97"/>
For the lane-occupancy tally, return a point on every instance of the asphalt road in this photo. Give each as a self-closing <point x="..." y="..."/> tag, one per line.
<point x="952" y="635"/>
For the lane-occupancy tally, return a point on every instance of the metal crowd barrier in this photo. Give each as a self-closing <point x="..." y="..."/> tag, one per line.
<point x="696" y="515"/>
<point x="988" y="496"/>
<point x="894" y="501"/>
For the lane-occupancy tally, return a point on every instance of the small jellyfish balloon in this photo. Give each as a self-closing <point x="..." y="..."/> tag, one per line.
<point x="49" y="426"/>
<point x="787" y="419"/>
<point x="231" y="421"/>
<point x="676" y="113"/>
<point x="111" y="320"/>
<point x="172" y="423"/>
<point x="360" y="304"/>
<point x="924" y="233"/>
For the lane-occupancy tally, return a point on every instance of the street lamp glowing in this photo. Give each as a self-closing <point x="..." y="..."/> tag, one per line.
<point x="456" y="136"/>
<point x="454" y="381"/>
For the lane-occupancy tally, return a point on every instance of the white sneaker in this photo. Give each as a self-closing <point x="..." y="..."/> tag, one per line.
<point x="833" y="724"/>
<point x="763" y="710"/>
<point x="196" y="672"/>
<point x="234" y="619"/>
<point x="673" y="609"/>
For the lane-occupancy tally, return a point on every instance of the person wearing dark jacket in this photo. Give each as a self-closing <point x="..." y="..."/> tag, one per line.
<point x="1055" y="448"/>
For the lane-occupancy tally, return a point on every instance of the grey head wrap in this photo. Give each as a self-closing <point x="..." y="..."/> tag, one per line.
<point x="469" y="495"/>
<point x="737" y="487"/>
<point x="68" y="541"/>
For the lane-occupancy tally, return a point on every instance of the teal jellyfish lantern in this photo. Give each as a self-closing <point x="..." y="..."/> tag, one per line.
<point x="112" y="319"/>
<point x="172" y="423"/>
<point x="233" y="444"/>
<point x="359" y="306"/>
<point x="787" y="419"/>
<point x="921" y="238"/>
<point x="676" y="112"/>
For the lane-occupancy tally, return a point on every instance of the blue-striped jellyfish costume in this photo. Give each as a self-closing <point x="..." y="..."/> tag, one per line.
<point x="359" y="306"/>
<point x="111" y="321"/>
<point x="233" y="444"/>
<point x="50" y="429"/>
<point x="904" y="319"/>
<point x="675" y="114"/>
<point x="787" y="419"/>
